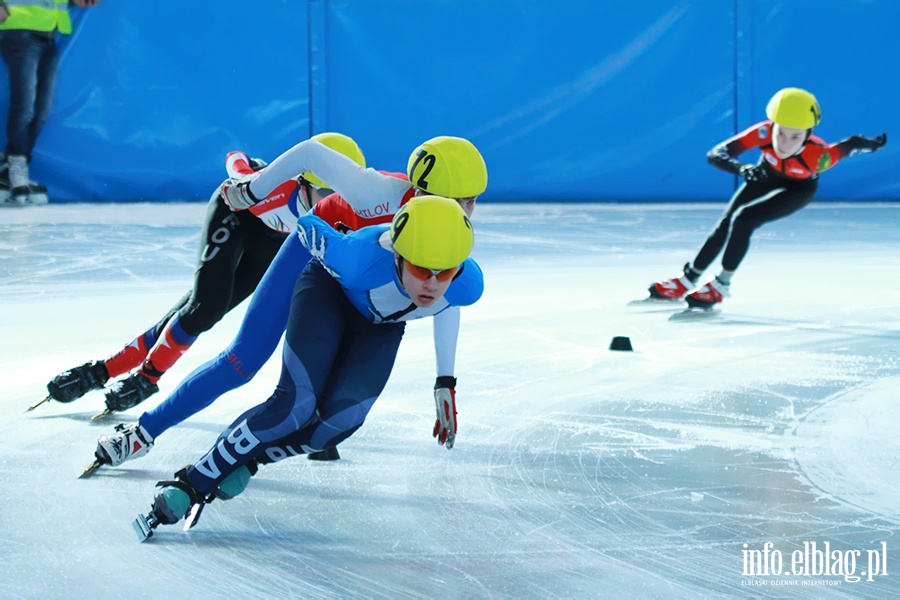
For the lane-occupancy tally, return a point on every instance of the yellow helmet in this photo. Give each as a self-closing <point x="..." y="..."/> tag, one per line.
<point x="339" y="143"/>
<point x="432" y="232"/>
<point x="795" y="108"/>
<point x="448" y="166"/>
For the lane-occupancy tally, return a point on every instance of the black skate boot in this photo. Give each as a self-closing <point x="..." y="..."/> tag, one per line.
<point x="129" y="392"/>
<point x="75" y="383"/>
<point x="327" y="454"/>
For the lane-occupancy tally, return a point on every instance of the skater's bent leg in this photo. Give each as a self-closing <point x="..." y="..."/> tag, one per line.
<point x="358" y="378"/>
<point x="256" y="341"/>
<point x="213" y="289"/>
<point x="716" y="240"/>
<point x="357" y="381"/>
<point x="261" y="246"/>
<point x="776" y="205"/>
<point x="313" y="340"/>
<point x="134" y="353"/>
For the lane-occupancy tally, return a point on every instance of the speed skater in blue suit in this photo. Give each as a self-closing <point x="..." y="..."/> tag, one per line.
<point x="347" y="318"/>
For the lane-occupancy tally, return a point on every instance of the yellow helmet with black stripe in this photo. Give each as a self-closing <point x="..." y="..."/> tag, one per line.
<point x="795" y="108"/>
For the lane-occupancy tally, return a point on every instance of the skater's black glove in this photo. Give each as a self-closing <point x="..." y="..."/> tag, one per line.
<point x="445" y="404"/>
<point x="753" y="173"/>
<point x="860" y="143"/>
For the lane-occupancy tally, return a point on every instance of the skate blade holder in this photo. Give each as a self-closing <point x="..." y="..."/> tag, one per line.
<point x="144" y="525"/>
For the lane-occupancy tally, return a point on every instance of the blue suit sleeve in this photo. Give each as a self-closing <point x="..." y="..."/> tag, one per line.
<point x="468" y="286"/>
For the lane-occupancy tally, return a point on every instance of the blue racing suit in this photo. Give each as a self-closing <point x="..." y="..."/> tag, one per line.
<point x="347" y="317"/>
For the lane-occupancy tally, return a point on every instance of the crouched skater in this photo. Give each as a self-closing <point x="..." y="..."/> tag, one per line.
<point x="782" y="182"/>
<point x="347" y="317"/>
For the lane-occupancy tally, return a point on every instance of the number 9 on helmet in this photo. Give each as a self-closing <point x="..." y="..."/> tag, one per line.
<point x="432" y="232"/>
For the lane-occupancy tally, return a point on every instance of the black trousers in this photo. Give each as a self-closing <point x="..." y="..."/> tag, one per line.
<point x="753" y="205"/>
<point x="235" y="251"/>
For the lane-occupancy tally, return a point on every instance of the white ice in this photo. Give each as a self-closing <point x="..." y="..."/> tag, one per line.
<point x="578" y="471"/>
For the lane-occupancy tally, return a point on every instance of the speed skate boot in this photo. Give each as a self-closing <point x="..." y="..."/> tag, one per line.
<point x="176" y="499"/>
<point x="130" y="392"/>
<point x="126" y="443"/>
<point x="75" y="383"/>
<point x="181" y="500"/>
<point x="327" y="454"/>
<point x="673" y="289"/>
<point x="709" y="294"/>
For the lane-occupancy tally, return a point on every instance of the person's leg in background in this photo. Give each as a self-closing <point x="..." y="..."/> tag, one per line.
<point x="32" y="62"/>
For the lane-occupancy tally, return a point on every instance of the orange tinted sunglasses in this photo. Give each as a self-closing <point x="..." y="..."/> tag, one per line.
<point x="425" y="274"/>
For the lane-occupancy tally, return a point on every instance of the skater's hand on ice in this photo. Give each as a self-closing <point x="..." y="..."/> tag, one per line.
<point x="860" y="143"/>
<point x="237" y="194"/>
<point x="753" y="173"/>
<point x="445" y="404"/>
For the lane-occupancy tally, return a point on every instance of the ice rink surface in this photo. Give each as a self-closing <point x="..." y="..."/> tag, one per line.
<point x="578" y="472"/>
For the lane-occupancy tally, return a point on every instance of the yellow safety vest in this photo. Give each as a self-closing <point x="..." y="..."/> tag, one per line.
<point x="38" y="15"/>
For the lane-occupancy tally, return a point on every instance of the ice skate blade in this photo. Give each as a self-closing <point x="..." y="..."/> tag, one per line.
<point x="91" y="469"/>
<point x="34" y="406"/>
<point x="651" y="301"/>
<point x="694" y="314"/>
<point x="102" y="415"/>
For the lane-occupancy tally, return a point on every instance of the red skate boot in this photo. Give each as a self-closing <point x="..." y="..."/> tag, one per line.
<point x="672" y="289"/>
<point x="709" y="295"/>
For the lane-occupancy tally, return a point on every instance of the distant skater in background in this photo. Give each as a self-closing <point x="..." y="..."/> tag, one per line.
<point x="783" y="181"/>
<point x="236" y="250"/>
<point x="28" y="31"/>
